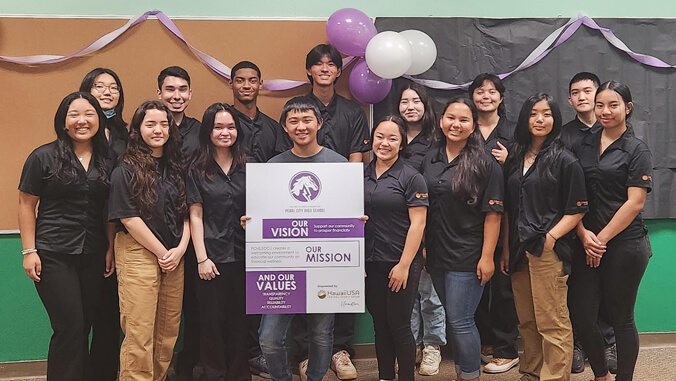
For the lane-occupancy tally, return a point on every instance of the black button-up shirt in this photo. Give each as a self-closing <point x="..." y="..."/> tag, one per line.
<point x="261" y="135"/>
<point x="503" y="133"/>
<point x="419" y="146"/>
<point x="625" y="163"/>
<point x="117" y="140"/>
<point x="534" y="207"/>
<point x="70" y="215"/>
<point x="223" y="199"/>
<point x="164" y="222"/>
<point x="455" y="230"/>
<point x="575" y="130"/>
<point x="190" y="131"/>
<point x="386" y="202"/>
<point x="345" y="129"/>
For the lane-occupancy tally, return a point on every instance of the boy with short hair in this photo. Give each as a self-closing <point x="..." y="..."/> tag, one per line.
<point x="173" y="90"/>
<point x="302" y="120"/>
<point x="581" y="93"/>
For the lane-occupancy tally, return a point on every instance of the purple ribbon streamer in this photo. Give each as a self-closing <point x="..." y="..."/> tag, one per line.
<point x="574" y="25"/>
<point x="285" y="84"/>
<point x="212" y="63"/>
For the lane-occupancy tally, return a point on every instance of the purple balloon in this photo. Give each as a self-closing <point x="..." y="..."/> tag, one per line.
<point x="367" y="87"/>
<point x="350" y="30"/>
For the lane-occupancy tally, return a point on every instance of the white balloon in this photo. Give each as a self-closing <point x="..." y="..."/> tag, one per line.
<point x="424" y="51"/>
<point x="389" y="55"/>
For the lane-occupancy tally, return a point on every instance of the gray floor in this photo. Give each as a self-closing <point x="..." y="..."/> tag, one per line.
<point x="654" y="364"/>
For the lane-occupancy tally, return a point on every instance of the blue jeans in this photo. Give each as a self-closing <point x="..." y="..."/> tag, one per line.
<point x="428" y="320"/>
<point x="460" y="293"/>
<point x="272" y="336"/>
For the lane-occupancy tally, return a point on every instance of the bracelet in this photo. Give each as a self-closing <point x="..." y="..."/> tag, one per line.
<point x="550" y="234"/>
<point x="205" y="259"/>
<point x="28" y="251"/>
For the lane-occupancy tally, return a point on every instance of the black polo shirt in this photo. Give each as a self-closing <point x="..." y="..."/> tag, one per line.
<point x="418" y="147"/>
<point x="118" y="137"/>
<point x="164" y="222"/>
<point x="503" y="133"/>
<point x="575" y="130"/>
<point x="190" y="131"/>
<point x="345" y="129"/>
<point x="223" y="199"/>
<point x="260" y="135"/>
<point x="534" y="207"/>
<point x="386" y="202"/>
<point x="455" y="230"/>
<point x="70" y="215"/>
<point x="625" y="163"/>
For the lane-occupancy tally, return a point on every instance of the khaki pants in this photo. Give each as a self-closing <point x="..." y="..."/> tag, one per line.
<point x="540" y="297"/>
<point x="150" y="311"/>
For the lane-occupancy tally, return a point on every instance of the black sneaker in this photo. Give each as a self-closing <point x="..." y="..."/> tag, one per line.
<point x="259" y="367"/>
<point x="578" y="360"/>
<point x="611" y="359"/>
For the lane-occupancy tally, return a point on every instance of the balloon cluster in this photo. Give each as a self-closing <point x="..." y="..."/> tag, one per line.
<point x="384" y="55"/>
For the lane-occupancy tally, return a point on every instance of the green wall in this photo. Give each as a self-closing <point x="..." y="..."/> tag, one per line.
<point x="316" y="8"/>
<point x="25" y="331"/>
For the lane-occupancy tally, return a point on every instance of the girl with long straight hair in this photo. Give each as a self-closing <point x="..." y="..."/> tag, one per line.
<point x="65" y="247"/>
<point x="415" y="107"/>
<point x="466" y="203"/>
<point x="395" y="199"/>
<point x="618" y="169"/>
<point x="545" y="200"/>
<point x="148" y="204"/>
<point x="216" y="188"/>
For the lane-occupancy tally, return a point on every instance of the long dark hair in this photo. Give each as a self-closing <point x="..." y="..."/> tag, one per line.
<point x="203" y="159"/>
<point x="551" y="148"/>
<point x="622" y="90"/>
<point x="499" y="86"/>
<point x="404" y="152"/>
<point x="145" y="168"/>
<point x="469" y="179"/>
<point x="68" y="162"/>
<point x="88" y="83"/>
<point x="429" y="119"/>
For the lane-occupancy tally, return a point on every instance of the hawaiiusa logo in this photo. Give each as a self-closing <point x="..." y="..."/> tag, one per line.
<point x="305" y="186"/>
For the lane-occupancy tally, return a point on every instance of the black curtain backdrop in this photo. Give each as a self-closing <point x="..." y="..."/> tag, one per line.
<point x="470" y="46"/>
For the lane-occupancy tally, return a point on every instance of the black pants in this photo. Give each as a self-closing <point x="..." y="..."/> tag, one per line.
<point x="613" y="284"/>
<point x="69" y="288"/>
<point x="189" y="356"/>
<point x="496" y="317"/>
<point x="223" y="322"/>
<point x="104" y="353"/>
<point x="391" y="313"/>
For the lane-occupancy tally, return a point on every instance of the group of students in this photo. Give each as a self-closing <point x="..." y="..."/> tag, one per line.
<point x="135" y="225"/>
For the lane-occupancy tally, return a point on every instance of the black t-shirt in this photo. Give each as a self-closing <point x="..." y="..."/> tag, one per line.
<point x="190" y="131"/>
<point x="386" y="202"/>
<point x="419" y="146"/>
<point x="575" y="130"/>
<point x="455" y="230"/>
<point x="261" y="135"/>
<point x="345" y="129"/>
<point x="164" y="222"/>
<point x="70" y="215"/>
<point x="117" y="140"/>
<point x="503" y="133"/>
<point x="223" y="199"/>
<point x="625" y="163"/>
<point x="534" y="207"/>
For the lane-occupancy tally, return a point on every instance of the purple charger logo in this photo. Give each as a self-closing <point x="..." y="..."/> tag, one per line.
<point x="305" y="186"/>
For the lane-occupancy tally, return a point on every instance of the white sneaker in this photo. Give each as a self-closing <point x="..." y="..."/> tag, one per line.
<point x="499" y="365"/>
<point x="431" y="358"/>
<point x="341" y="364"/>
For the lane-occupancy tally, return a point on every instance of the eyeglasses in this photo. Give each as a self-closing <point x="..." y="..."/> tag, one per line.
<point x="100" y="88"/>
